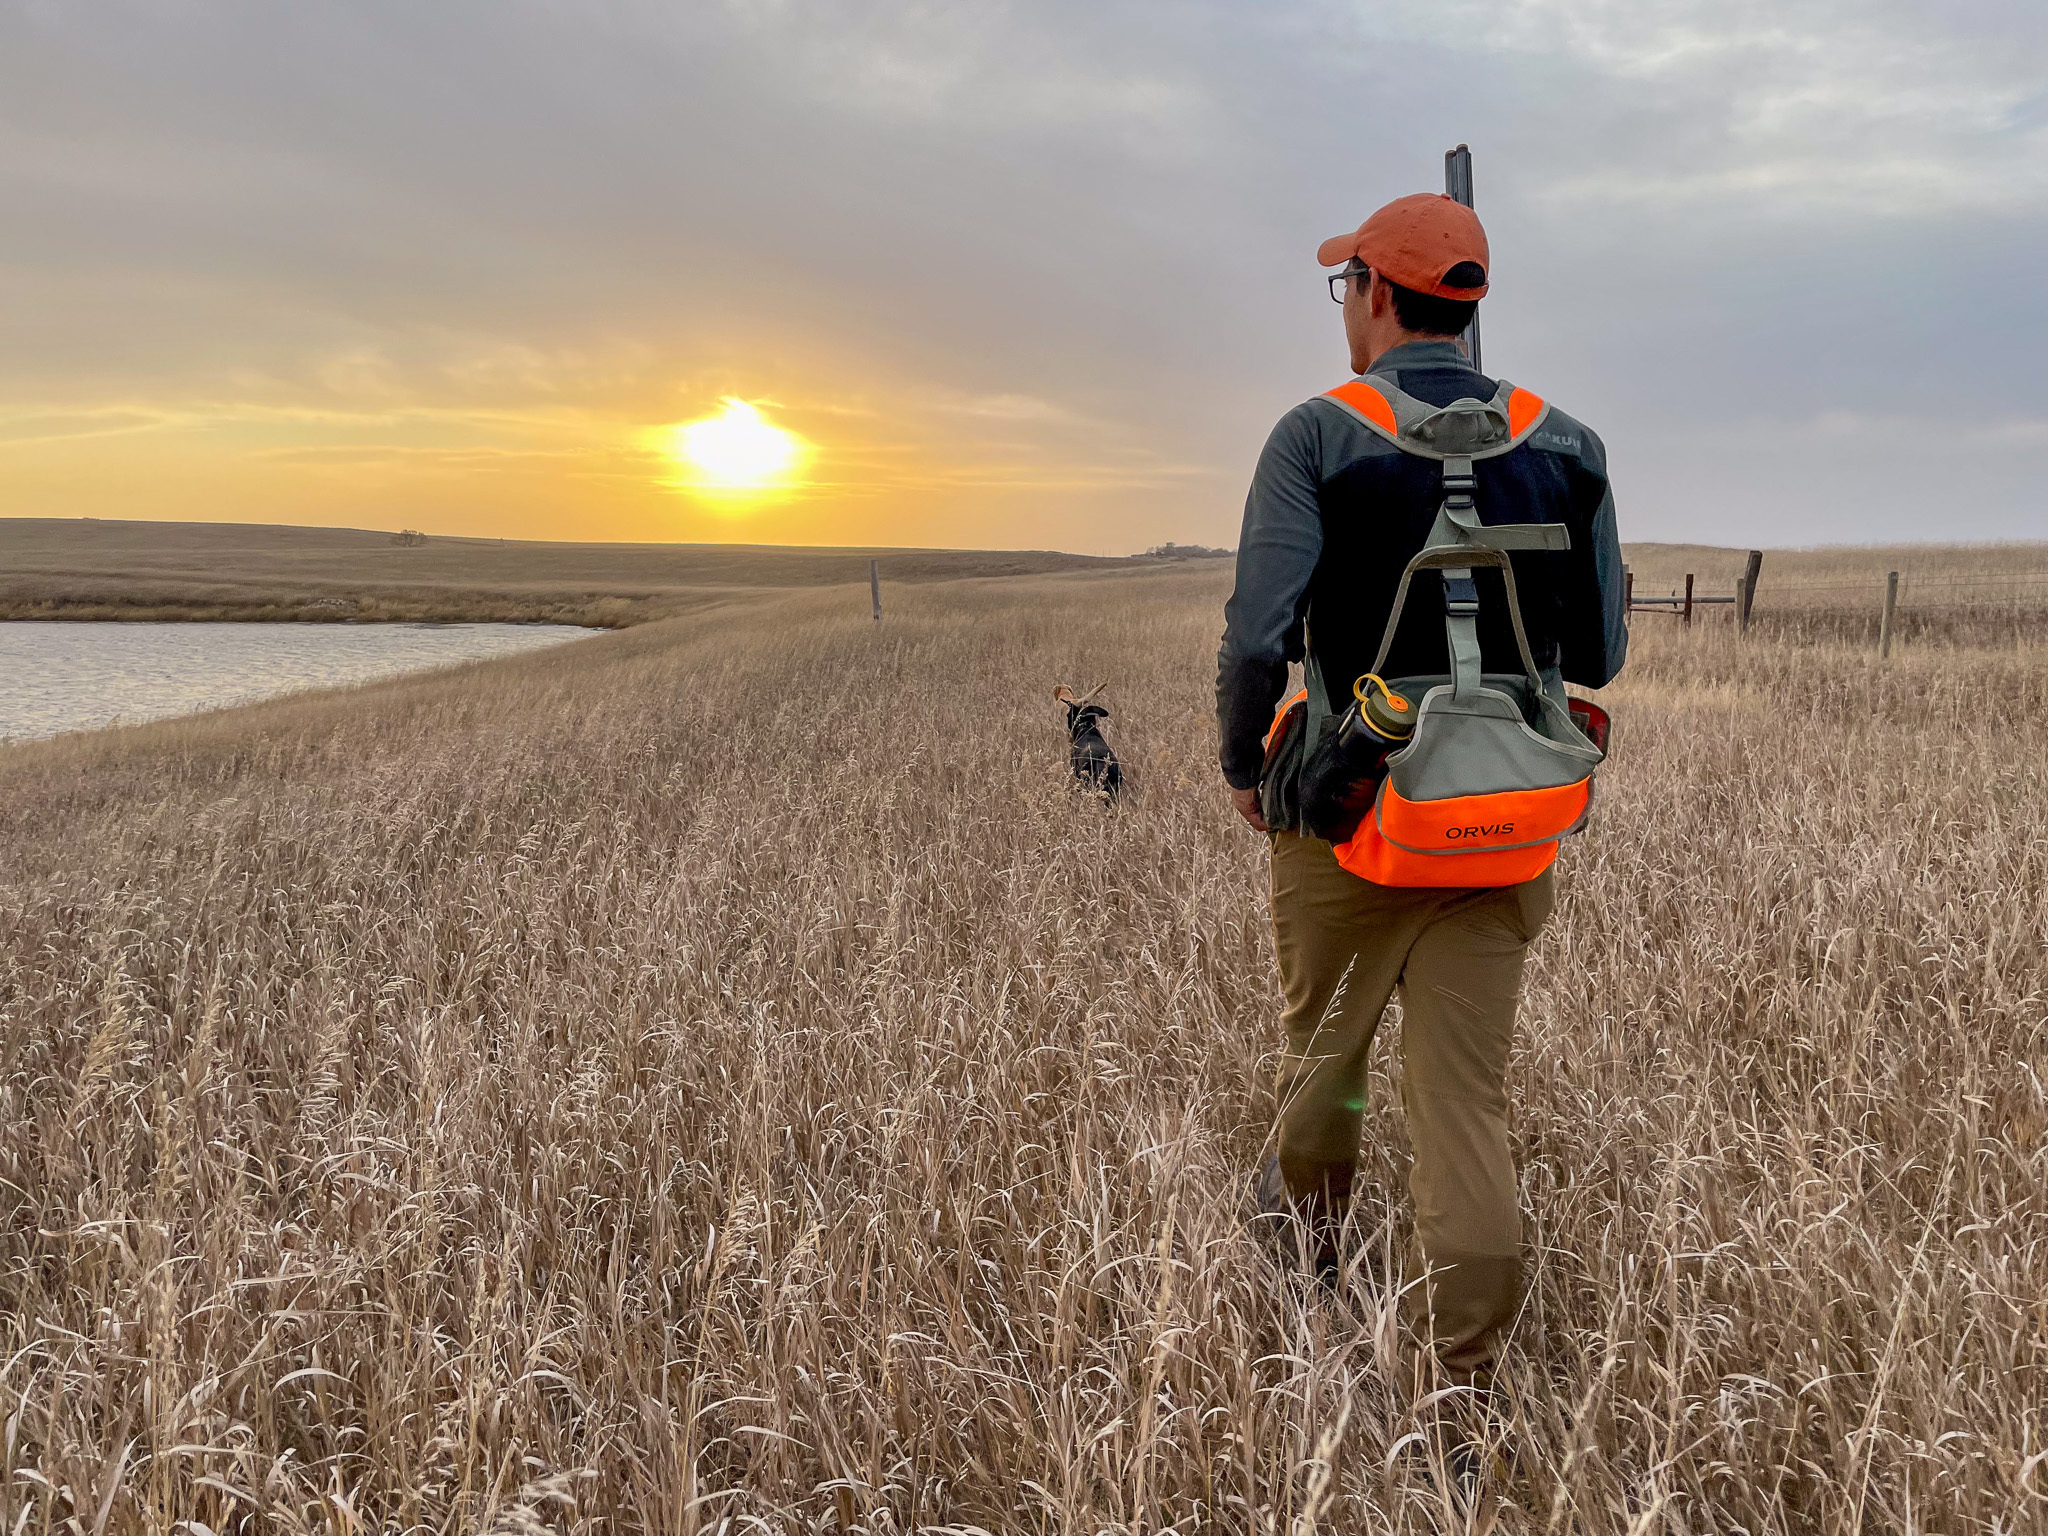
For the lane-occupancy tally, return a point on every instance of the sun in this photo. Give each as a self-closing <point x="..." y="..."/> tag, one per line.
<point x="737" y="452"/>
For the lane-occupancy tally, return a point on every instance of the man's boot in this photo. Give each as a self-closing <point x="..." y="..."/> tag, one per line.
<point x="1304" y="1229"/>
<point x="1479" y="1444"/>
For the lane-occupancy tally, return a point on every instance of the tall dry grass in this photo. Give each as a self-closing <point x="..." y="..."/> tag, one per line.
<point x="718" y="1077"/>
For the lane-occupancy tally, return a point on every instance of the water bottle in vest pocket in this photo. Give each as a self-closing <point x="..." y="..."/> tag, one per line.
<point x="1343" y="771"/>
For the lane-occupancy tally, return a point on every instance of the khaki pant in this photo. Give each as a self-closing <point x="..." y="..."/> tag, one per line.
<point x="1344" y="945"/>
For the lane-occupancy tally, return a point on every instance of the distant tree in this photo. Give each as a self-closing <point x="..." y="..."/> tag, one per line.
<point x="1188" y="552"/>
<point x="408" y="537"/>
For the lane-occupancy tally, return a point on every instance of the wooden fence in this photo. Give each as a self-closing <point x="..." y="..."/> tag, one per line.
<point x="1743" y="597"/>
<point x="1967" y="597"/>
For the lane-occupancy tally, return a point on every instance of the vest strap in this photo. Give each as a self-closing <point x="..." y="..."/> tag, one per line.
<point x="1461" y="629"/>
<point x="1457" y="543"/>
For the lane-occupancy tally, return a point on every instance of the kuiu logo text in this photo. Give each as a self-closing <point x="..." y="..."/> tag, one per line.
<point x="1497" y="829"/>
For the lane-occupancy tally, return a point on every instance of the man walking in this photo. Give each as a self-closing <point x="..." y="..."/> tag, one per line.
<point x="1335" y="513"/>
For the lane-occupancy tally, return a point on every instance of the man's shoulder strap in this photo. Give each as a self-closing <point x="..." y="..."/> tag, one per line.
<point x="1469" y="429"/>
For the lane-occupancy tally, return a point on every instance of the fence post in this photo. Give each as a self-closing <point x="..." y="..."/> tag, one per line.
<point x="875" y="587"/>
<point x="1628" y="590"/>
<point x="1891" y="606"/>
<point x="1688" y="599"/>
<point x="1745" y="596"/>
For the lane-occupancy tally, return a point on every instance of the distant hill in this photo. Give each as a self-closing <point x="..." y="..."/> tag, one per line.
<point x="98" y="568"/>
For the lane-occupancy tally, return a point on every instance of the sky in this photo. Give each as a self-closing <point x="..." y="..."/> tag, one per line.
<point x="1017" y="275"/>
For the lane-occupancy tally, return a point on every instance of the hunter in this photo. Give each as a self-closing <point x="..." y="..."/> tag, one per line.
<point x="1335" y="513"/>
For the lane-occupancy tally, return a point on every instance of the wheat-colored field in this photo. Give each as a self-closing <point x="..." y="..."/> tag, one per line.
<point x="719" y="1077"/>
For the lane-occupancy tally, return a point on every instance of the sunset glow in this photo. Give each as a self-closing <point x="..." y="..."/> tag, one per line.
<point x="737" y="452"/>
<point x="1012" y="276"/>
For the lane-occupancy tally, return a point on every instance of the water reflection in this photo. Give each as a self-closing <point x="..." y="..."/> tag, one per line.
<point x="57" y="676"/>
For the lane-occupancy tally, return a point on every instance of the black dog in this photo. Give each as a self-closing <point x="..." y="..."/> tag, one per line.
<point x="1094" y="764"/>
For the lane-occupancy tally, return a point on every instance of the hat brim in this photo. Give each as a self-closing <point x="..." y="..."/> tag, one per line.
<point x="1337" y="250"/>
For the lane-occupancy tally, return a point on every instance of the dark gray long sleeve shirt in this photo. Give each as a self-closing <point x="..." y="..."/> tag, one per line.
<point x="1335" y="514"/>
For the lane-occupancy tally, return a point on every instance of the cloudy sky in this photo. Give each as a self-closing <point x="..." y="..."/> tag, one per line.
<point x="1032" y="274"/>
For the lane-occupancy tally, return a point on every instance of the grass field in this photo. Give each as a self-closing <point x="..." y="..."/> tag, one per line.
<point x="89" y="568"/>
<point x="719" y="1077"/>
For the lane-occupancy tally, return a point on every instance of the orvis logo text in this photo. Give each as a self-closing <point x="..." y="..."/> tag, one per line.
<point x="1494" y="829"/>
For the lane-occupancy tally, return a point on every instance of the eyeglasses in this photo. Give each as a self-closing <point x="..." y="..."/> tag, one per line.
<point x="1339" y="280"/>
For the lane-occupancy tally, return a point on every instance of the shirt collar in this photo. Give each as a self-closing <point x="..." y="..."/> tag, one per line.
<point x="1421" y="354"/>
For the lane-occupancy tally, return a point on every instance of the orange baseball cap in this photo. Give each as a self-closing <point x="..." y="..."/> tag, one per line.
<point x="1415" y="241"/>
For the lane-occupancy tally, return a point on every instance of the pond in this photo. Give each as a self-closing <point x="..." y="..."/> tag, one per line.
<point x="58" y="676"/>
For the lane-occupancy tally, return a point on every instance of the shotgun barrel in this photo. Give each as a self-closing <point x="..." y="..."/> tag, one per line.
<point x="1458" y="182"/>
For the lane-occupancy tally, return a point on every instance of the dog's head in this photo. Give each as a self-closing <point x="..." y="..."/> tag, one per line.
<point x="1082" y="710"/>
